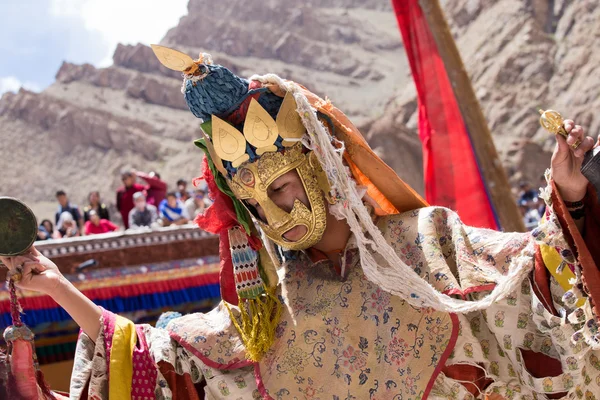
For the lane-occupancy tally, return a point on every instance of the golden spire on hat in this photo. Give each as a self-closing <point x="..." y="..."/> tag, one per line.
<point x="260" y="130"/>
<point x="178" y="61"/>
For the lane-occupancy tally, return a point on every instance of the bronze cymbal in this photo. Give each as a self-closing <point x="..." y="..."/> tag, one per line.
<point x="18" y="227"/>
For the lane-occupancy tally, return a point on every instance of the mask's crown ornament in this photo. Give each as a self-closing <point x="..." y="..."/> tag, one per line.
<point x="260" y="130"/>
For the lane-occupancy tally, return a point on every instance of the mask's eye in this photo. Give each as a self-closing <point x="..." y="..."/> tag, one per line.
<point x="253" y="211"/>
<point x="279" y="188"/>
<point x="239" y="191"/>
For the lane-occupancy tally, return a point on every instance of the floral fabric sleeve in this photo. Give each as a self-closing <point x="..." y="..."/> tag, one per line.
<point x="89" y="366"/>
<point x="493" y="346"/>
<point x="143" y="379"/>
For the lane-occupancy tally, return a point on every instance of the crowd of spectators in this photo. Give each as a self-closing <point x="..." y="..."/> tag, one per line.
<point x="151" y="205"/>
<point x="143" y="201"/>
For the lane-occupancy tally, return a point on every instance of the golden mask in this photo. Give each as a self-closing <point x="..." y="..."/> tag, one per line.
<point x="252" y="182"/>
<point x="252" y="179"/>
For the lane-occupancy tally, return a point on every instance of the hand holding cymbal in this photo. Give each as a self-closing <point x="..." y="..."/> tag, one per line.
<point x="18" y="231"/>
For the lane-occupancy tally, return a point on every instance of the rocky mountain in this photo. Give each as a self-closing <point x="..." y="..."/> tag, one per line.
<point x="521" y="54"/>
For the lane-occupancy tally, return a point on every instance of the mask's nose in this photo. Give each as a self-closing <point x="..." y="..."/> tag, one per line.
<point x="275" y="216"/>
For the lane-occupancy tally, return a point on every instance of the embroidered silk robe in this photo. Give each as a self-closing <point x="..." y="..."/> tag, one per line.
<point x="342" y="337"/>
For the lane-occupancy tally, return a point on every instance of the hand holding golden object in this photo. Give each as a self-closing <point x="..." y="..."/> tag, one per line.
<point x="590" y="167"/>
<point x="553" y="122"/>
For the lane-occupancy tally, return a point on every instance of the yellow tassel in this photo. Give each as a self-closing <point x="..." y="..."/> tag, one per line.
<point x="259" y="319"/>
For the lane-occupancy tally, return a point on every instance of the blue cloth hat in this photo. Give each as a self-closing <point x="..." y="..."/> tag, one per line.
<point x="220" y="92"/>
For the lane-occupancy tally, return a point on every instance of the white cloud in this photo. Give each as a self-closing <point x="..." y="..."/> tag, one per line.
<point x="12" y="84"/>
<point x="9" y="84"/>
<point x="123" y="21"/>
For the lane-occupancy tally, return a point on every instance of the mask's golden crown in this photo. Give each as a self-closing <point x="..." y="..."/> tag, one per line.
<point x="260" y="130"/>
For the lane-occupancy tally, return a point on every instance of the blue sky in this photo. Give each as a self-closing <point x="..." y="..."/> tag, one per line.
<point x="38" y="35"/>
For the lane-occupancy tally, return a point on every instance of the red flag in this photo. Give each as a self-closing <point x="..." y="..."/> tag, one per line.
<point x="452" y="176"/>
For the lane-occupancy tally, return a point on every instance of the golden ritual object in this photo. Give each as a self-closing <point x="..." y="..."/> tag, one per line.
<point x="553" y="122"/>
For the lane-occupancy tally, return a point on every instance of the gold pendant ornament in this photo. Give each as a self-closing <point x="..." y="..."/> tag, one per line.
<point x="260" y="130"/>
<point x="178" y="61"/>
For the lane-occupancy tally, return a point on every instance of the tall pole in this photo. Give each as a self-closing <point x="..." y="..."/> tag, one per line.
<point x="493" y="172"/>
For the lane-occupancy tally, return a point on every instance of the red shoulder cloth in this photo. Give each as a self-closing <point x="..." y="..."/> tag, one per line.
<point x="585" y="245"/>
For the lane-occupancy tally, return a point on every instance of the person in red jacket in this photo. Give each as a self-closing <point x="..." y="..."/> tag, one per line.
<point x="96" y="225"/>
<point x="156" y="188"/>
<point x="125" y="194"/>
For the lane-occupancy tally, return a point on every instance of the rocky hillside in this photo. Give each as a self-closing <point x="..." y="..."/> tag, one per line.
<point x="522" y="54"/>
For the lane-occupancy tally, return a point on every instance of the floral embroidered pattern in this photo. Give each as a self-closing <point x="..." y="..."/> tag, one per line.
<point x="353" y="360"/>
<point x="294" y="360"/>
<point x="381" y="351"/>
<point x="398" y="352"/>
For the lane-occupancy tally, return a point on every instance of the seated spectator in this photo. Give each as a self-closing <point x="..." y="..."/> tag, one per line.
<point x="198" y="203"/>
<point x="531" y="215"/>
<point x="96" y="205"/>
<point x="527" y="193"/>
<point x="182" y="192"/>
<point x="48" y="225"/>
<point x="125" y="194"/>
<point x="65" y="206"/>
<point x="66" y="226"/>
<point x="173" y="211"/>
<point x="541" y="203"/>
<point x="142" y="214"/>
<point x="45" y="230"/>
<point x="97" y="225"/>
<point x="156" y="189"/>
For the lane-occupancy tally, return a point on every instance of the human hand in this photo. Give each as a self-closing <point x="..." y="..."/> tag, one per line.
<point x="566" y="162"/>
<point x="38" y="273"/>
